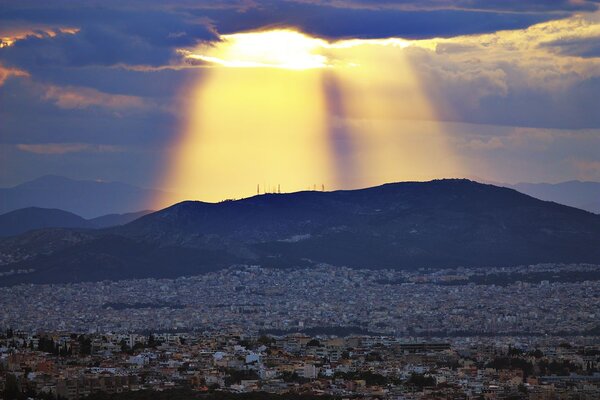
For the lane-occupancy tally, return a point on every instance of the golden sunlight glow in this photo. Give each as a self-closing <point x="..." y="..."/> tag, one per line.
<point x="275" y="49"/>
<point x="248" y="127"/>
<point x="388" y="117"/>
<point x="282" y="109"/>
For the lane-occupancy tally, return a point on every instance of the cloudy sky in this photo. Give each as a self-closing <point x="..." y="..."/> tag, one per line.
<point x="139" y="91"/>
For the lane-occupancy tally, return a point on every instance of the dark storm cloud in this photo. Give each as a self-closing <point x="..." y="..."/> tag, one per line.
<point x="529" y="5"/>
<point x="105" y="37"/>
<point x="148" y="33"/>
<point x="408" y="19"/>
<point x="336" y="22"/>
<point x="481" y="5"/>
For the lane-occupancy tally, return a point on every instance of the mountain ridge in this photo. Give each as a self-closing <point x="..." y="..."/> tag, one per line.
<point x="404" y="225"/>
<point x="33" y="218"/>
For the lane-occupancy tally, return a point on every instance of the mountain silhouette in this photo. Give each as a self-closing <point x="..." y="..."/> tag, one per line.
<point x="408" y="225"/>
<point x="32" y="218"/>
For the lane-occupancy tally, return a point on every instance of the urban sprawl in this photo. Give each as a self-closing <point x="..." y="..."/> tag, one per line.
<point x="530" y="332"/>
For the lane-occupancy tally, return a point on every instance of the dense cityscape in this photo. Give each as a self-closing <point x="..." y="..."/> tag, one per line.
<point x="526" y="333"/>
<point x="531" y="300"/>
<point x="72" y="366"/>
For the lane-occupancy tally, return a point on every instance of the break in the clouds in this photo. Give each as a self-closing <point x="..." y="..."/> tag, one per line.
<point x="84" y="85"/>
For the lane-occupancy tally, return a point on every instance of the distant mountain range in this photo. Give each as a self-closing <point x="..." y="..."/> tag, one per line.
<point x="31" y="218"/>
<point x="584" y="195"/>
<point x="88" y="199"/>
<point x="406" y="225"/>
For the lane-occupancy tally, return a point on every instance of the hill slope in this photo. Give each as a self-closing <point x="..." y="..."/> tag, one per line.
<point x="403" y="225"/>
<point x="106" y="221"/>
<point x="26" y="219"/>
<point x="32" y="218"/>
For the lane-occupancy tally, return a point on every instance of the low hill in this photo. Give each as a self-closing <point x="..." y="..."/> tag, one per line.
<point x="407" y="225"/>
<point x="32" y="218"/>
<point x="27" y="219"/>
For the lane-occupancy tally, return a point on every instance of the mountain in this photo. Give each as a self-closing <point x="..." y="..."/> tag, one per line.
<point x="407" y="225"/>
<point x="32" y="218"/>
<point x="27" y="219"/>
<point x="584" y="195"/>
<point x="88" y="199"/>
<point x="109" y="220"/>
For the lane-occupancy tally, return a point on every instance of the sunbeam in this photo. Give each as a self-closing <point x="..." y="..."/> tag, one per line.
<point x="283" y="110"/>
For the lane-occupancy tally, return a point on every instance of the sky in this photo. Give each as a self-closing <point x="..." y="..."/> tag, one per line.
<point x="219" y="99"/>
